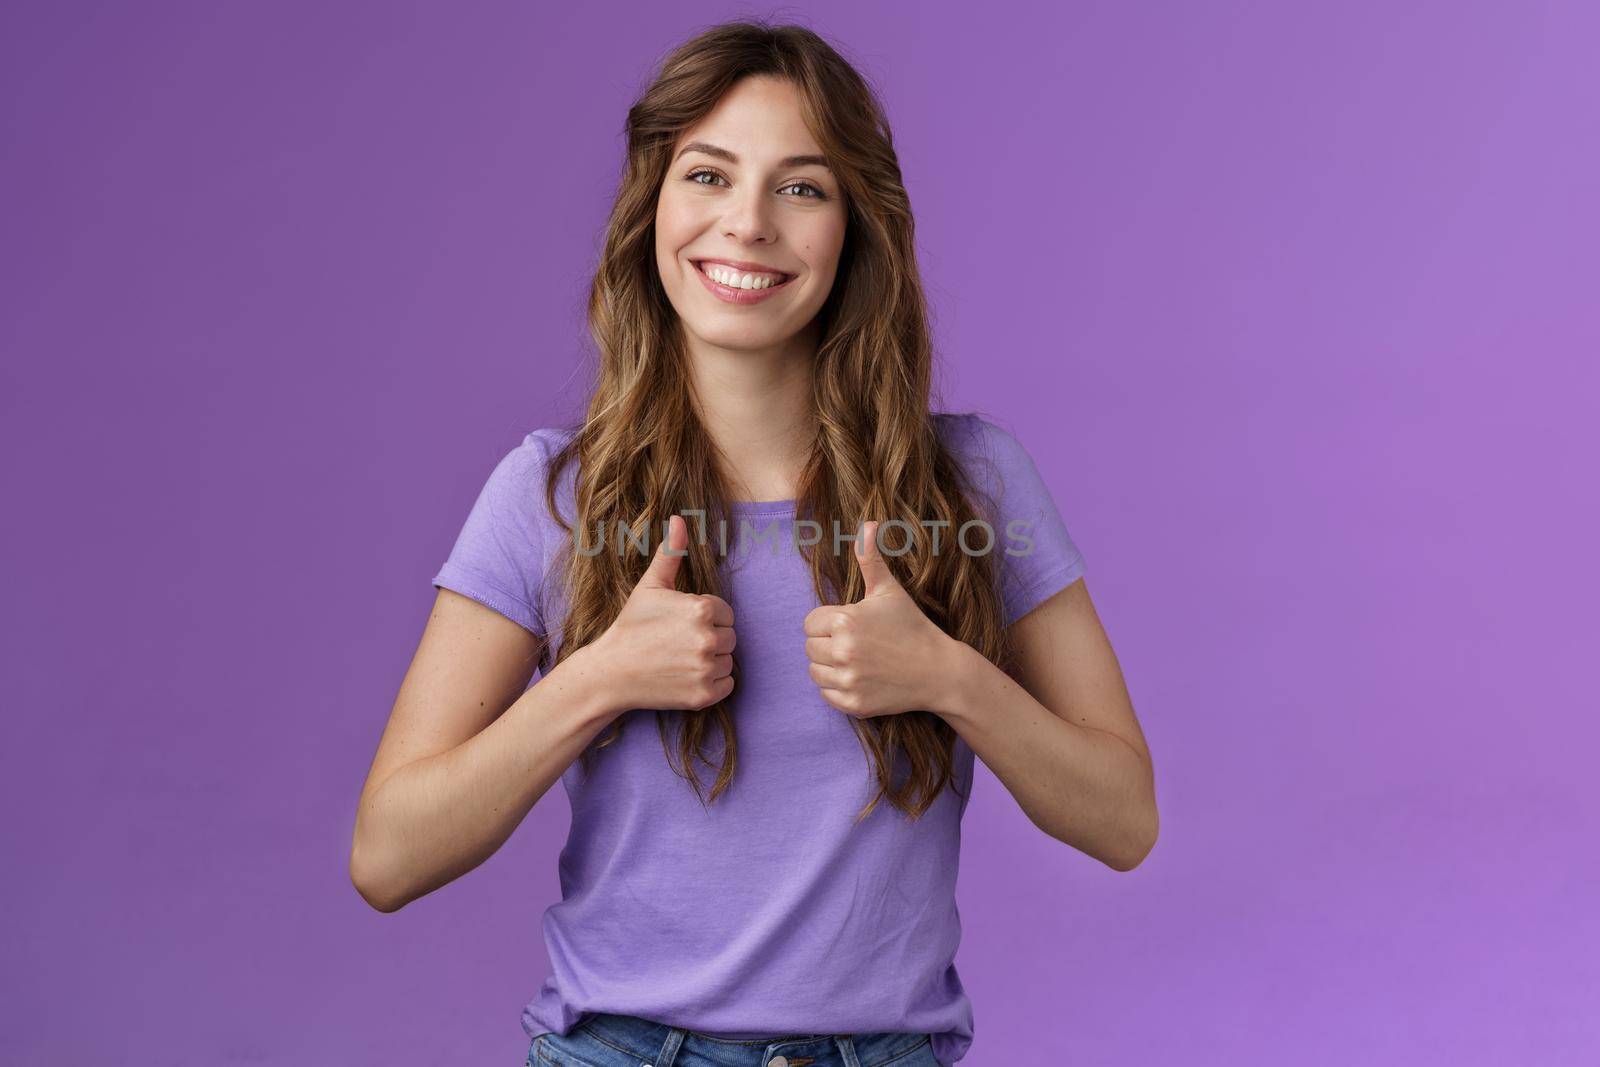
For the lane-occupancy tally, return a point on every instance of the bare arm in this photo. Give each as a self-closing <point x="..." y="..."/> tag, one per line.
<point x="1065" y="743"/>
<point x="467" y="752"/>
<point x="464" y="757"/>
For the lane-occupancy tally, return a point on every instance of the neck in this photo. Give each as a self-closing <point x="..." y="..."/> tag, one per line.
<point x="756" y="407"/>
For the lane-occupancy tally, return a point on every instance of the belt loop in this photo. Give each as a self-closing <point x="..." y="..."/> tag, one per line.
<point x="847" y="1049"/>
<point x="669" y="1047"/>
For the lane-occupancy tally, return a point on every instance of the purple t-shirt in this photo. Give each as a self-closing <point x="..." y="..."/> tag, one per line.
<point x="769" y="910"/>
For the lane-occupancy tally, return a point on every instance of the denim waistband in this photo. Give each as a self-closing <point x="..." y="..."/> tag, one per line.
<point x="660" y="1044"/>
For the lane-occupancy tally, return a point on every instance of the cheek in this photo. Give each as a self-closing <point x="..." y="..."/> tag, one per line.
<point x="823" y="243"/>
<point x="674" y="227"/>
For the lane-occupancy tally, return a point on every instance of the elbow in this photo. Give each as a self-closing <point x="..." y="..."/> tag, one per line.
<point x="376" y="897"/>
<point x="1139" y="843"/>
<point x="380" y="892"/>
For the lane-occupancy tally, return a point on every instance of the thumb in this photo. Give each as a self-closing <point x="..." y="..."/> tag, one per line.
<point x="663" y="570"/>
<point x="874" y="569"/>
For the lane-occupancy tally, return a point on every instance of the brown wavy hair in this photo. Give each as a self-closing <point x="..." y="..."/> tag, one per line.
<point x="643" y="453"/>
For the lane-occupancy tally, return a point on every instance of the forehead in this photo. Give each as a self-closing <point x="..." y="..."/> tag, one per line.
<point x="758" y="119"/>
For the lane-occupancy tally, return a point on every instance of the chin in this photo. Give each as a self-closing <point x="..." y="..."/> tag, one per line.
<point x="735" y="338"/>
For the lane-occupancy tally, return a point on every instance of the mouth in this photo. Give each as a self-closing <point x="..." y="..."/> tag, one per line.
<point x="740" y="287"/>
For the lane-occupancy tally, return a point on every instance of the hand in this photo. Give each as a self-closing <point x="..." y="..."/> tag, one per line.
<point x="668" y="649"/>
<point x="881" y="655"/>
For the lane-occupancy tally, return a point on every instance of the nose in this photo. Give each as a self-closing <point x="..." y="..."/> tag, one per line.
<point x="749" y="218"/>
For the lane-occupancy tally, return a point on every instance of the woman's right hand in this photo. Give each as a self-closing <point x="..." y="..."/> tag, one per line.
<point x="668" y="649"/>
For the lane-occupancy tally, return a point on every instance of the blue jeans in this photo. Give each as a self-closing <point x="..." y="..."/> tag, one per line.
<point x="605" y="1040"/>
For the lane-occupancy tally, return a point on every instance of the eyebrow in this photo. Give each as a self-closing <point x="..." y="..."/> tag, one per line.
<point x="723" y="153"/>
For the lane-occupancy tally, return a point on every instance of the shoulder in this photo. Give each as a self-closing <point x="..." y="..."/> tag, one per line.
<point x="526" y="465"/>
<point x="538" y="448"/>
<point x="972" y="433"/>
<point x="1041" y="556"/>
<point x="991" y="454"/>
<point x="514" y="492"/>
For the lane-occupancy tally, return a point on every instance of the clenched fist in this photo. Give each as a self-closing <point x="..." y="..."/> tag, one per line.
<point x="668" y="649"/>
<point x="881" y="655"/>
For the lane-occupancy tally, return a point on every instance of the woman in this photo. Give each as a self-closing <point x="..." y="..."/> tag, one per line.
<point x="765" y="370"/>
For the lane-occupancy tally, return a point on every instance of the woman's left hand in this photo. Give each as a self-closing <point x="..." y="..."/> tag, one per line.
<point x="880" y="655"/>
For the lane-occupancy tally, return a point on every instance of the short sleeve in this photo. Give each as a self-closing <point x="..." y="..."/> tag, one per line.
<point x="498" y="557"/>
<point x="1037" y="556"/>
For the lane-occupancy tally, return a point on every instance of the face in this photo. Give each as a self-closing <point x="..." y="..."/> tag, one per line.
<point x="748" y="231"/>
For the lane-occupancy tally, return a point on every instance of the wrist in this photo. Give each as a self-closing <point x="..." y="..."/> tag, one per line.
<point x="960" y="666"/>
<point x="599" y="682"/>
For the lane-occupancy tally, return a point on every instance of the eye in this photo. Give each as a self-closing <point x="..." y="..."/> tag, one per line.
<point x="813" y="193"/>
<point x="694" y="174"/>
<point x="816" y="194"/>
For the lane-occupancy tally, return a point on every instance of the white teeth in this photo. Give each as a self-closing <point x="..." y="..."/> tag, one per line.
<point x="739" y="280"/>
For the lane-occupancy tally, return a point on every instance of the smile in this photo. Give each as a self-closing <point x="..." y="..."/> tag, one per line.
<point x="740" y="287"/>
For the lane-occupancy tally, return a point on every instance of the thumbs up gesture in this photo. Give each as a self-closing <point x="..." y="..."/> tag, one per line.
<point x="880" y="655"/>
<point x="668" y="649"/>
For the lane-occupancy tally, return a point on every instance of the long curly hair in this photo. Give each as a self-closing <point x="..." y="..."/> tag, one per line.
<point x="643" y="453"/>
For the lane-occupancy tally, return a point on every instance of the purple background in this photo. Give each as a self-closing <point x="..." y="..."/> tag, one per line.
<point x="1295" y="306"/>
